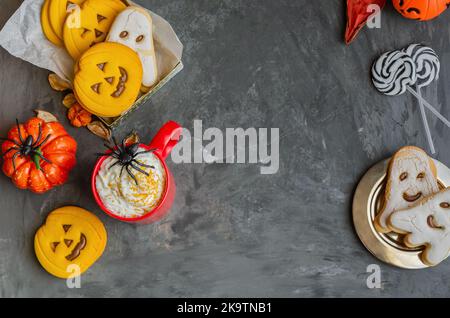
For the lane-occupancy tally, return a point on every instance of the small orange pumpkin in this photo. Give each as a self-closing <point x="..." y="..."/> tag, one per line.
<point x="422" y="10"/>
<point x="38" y="155"/>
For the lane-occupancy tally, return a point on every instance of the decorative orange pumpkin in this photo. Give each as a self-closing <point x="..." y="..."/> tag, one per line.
<point x="422" y="10"/>
<point x="38" y="155"/>
<point x="78" y="116"/>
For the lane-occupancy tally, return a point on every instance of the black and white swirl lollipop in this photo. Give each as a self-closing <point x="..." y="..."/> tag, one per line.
<point x="396" y="72"/>
<point x="428" y="67"/>
<point x="393" y="72"/>
<point x="427" y="63"/>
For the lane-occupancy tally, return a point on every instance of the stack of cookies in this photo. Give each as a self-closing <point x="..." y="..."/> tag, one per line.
<point x="414" y="205"/>
<point x="112" y="46"/>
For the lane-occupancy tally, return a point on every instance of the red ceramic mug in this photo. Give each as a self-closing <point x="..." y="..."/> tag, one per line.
<point x="163" y="143"/>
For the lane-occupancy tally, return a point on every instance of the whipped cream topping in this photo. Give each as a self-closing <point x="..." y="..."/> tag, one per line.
<point x="120" y="194"/>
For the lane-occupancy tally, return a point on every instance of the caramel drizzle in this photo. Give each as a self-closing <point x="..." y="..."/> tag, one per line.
<point x="98" y="33"/>
<point x="412" y="198"/>
<point x="432" y="223"/>
<point x="100" y="18"/>
<point x="78" y="248"/>
<point x="101" y="66"/>
<point x="96" y="88"/>
<point x="121" y="85"/>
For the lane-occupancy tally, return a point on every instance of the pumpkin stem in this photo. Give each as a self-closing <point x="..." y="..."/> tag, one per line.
<point x="36" y="159"/>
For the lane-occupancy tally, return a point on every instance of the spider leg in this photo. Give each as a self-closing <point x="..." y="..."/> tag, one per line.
<point x="121" y="170"/>
<point x="14" y="159"/>
<point x="131" y="175"/>
<point x="143" y="165"/>
<point x="38" y="139"/>
<point x="43" y="141"/>
<point x="108" y="146"/>
<point x="112" y="149"/>
<point x="114" y="164"/>
<point x="139" y="169"/>
<point x="99" y="154"/>
<point x="20" y="133"/>
<point x="117" y="145"/>
<point x="42" y="157"/>
<point x="145" y="151"/>
<point x="9" y="150"/>
<point x="10" y="140"/>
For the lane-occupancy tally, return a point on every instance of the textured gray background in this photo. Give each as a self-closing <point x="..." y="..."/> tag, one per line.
<point x="232" y="231"/>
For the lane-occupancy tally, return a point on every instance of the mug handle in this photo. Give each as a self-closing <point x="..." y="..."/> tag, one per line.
<point x="166" y="138"/>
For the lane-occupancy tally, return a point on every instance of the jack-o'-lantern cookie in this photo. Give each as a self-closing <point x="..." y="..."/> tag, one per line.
<point x="57" y="13"/>
<point x="89" y="25"/>
<point x="426" y="224"/>
<point x="108" y="78"/>
<point x="133" y="27"/>
<point x="70" y="236"/>
<point x="49" y="33"/>
<point x="411" y="176"/>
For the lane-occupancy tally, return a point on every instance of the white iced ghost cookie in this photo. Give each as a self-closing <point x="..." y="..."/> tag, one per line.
<point x="133" y="27"/>
<point x="411" y="176"/>
<point x="427" y="223"/>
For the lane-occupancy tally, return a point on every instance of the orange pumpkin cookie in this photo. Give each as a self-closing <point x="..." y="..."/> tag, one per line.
<point x="70" y="236"/>
<point x="107" y="79"/>
<point x="49" y="33"/>
<point x="89" y="25"/>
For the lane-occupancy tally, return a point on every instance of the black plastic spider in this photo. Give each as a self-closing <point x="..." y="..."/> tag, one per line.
<point x="126" y="157"/>
<point x="28" y="147"/>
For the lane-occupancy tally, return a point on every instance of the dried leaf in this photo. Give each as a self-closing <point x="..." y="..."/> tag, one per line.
<point x="99" y="129"/>
<point x="132" y="138"/>
<point x="45" y="116"/>
<point x="69" y="100"/>
<point x="57" y="83"/>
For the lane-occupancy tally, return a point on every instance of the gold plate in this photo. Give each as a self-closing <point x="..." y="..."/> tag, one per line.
<point x="366" y="203"/>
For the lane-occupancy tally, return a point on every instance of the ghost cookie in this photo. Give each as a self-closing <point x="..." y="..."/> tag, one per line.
<point x="411" y="176"/>
<point x="133" y="27"/>
<point x="428" y="224"/>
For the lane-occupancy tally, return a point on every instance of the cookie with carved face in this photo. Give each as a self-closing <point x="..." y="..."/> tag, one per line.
<point x="49" y="32"/>
<point x="426" y="224"/>
<point x="108" y="78"/>
<point x="57" y="12"/>
<point x="411" y="176"/>
<point x="89" y="24"/>
<point x="133" y="27"/>
<point x="70" y="236"/>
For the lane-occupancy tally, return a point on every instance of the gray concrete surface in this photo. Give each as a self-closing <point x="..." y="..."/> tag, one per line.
<point x="232" y="231"/>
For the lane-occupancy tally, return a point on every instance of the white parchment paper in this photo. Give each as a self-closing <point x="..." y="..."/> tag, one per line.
<point x="22" y="37"/>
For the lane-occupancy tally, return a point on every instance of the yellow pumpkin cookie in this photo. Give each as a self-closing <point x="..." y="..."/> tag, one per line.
<point x="89" y="25"/>
<point x="57" y="12"/>
<point x="108" y="78"/>
<point x="46" y="27"/>
<point x="70" y="235"/>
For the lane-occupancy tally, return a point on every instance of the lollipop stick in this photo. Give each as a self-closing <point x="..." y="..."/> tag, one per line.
<point x="425" y="123"/>
<point x="430" y="108"/>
